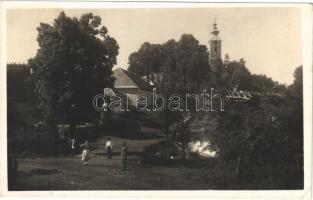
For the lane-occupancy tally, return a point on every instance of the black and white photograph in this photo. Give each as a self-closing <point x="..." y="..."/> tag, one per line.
<point x="155" y="98"/>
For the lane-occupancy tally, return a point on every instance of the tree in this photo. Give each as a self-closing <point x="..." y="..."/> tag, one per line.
<point x="184" y="63"/>
<point x="268" y="131"/>
<point x="181" y="66"/>
<point x="296" y="88"/>
<point x="191" y="61"/>
<point x="73" y="63"/>
<point x="237" y="75"/>
<point x="292" y="112"/>
<point x="146" y="60"/>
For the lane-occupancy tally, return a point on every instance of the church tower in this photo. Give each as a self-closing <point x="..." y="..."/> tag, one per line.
<point x="215" y="48"/>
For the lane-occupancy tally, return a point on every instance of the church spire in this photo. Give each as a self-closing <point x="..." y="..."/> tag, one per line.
<point x="215" y="48"/>
<point x="215" y="30"/>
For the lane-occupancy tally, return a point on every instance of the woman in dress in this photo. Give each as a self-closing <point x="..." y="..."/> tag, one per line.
<point x="85" y="153"/>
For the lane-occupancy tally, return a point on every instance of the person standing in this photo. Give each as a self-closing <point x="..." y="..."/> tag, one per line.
<point x="85" y="153"/>
<point x="109" y="148"/>
<point x="73" y="146"/>
<point x="124" y="155"/>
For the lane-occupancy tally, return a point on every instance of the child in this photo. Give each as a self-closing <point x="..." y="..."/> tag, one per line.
<point x="85" y="153"/>
<point x="73" y="146"/>
<point x="109" y="148"/>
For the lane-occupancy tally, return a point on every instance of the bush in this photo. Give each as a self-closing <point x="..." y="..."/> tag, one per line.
<point x="266" y="136"/>
<point x="122" y="127"/>
<point x="27" y="141"/>
<point x="160" y="154"/>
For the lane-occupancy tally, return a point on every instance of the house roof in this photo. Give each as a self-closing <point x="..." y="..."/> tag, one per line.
<point x="123" y="79"/>
<point x="109" y="92"/>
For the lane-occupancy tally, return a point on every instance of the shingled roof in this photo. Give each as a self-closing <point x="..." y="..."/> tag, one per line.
<point x="123" y="79"/>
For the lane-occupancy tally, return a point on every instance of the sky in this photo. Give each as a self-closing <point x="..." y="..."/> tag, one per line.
<point x="268" y="38"/>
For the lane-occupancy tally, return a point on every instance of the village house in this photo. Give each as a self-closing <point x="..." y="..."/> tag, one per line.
<point x="125" y="85"/>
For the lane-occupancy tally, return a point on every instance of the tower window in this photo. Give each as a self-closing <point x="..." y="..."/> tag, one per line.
<point x="215" y="49"/>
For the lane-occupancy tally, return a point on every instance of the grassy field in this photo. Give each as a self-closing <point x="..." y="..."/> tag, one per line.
<point x="68" y="173"/>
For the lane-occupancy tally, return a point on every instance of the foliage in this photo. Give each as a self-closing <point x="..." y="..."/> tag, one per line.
<point x="146" y="60"/>
<point x="262" y="83"/>
<point x="236" y="75"/>
<point x="267" y="131"/>
<point x="176" y="67"/>
<point x="295" y="90"/>
<point x="73" y="63"/>
<point x="180" y="64"/>
<point x="124" y="126"/>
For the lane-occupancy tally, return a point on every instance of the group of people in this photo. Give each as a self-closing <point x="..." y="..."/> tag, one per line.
<point x="109" y="151"/>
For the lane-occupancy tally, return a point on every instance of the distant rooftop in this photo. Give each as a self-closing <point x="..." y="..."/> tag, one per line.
<point x="123" y="79"/>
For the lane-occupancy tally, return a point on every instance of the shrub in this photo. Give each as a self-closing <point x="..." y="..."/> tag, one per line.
<point x="122" y="127"/>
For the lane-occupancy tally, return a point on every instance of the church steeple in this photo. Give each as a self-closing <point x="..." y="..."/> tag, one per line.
<point x="215" y="30"/>
<point x="215" y="47"/>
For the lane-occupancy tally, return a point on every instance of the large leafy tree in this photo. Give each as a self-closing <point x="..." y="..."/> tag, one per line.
<point x="183" y="63"/>
<point x="191" y="64"/>
<point x="184" y="67"/>
<point x="73" y="63"/>
<point x="181" y="66"/>
<point x="146" y="60"/>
